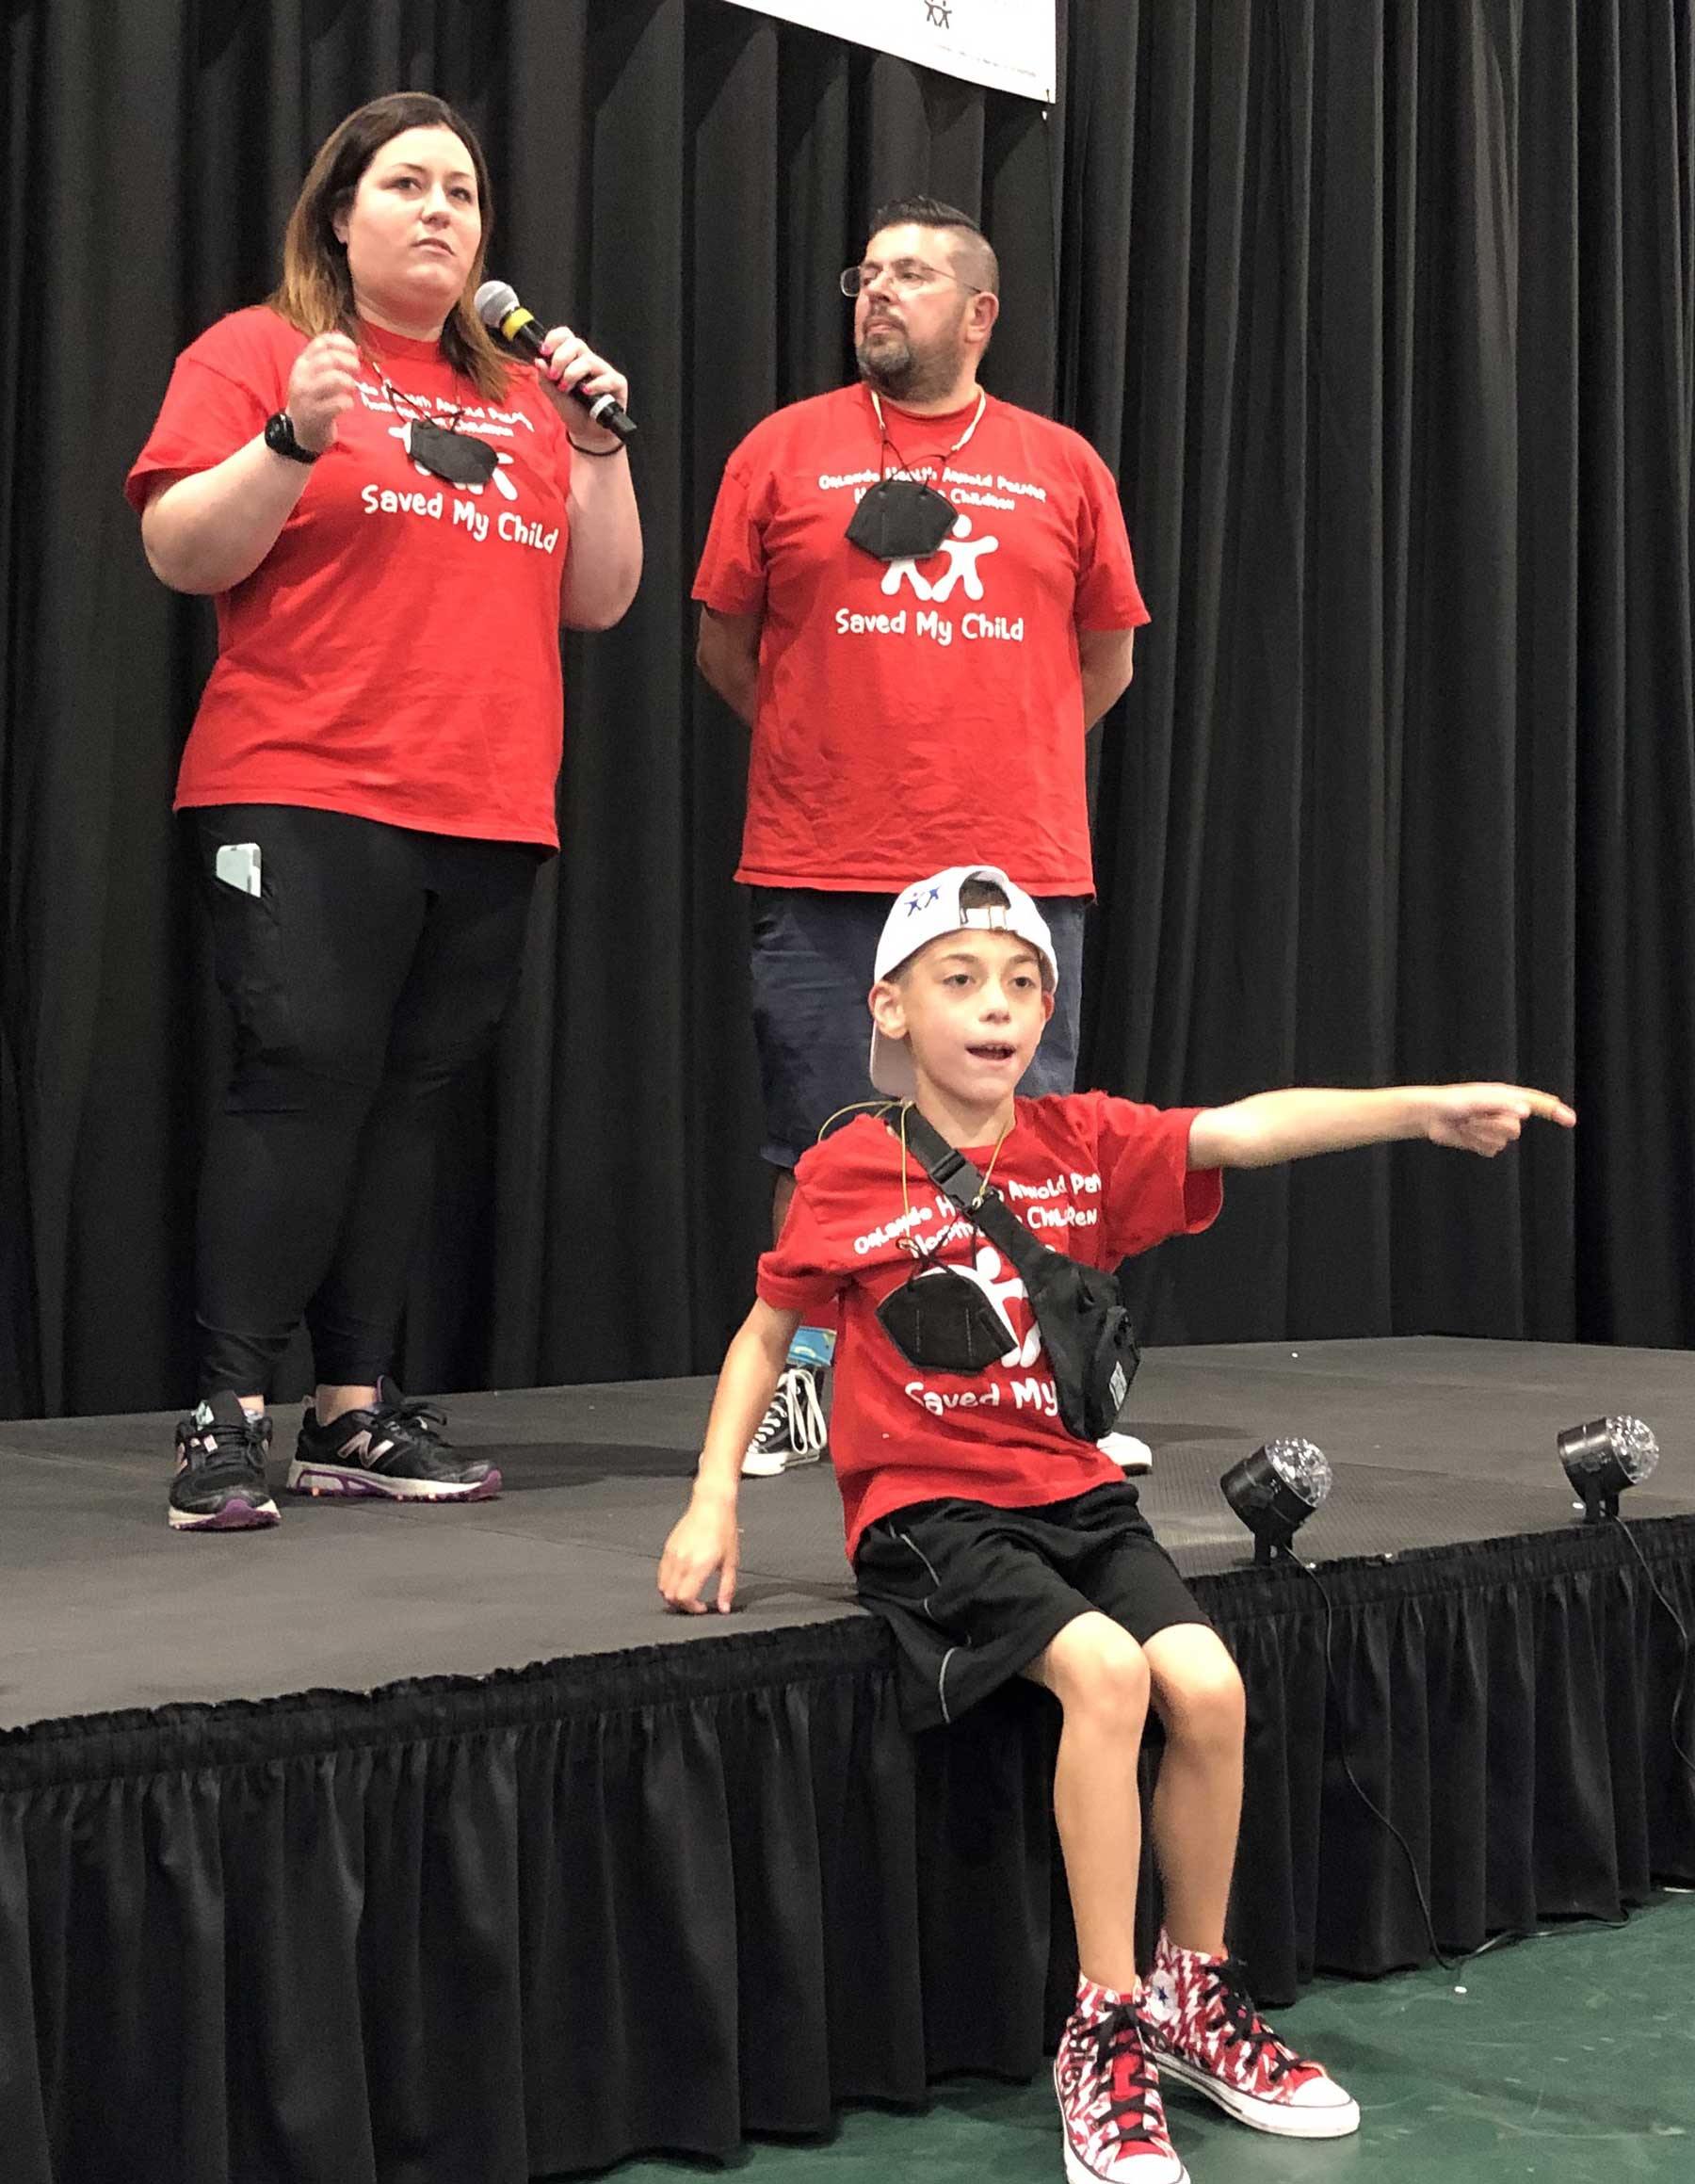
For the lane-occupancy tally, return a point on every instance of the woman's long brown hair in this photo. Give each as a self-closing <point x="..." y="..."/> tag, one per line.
<point x="316" y="293"/>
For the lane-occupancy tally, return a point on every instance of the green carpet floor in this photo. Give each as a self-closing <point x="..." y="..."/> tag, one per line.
<point x="1570" y="2059"/>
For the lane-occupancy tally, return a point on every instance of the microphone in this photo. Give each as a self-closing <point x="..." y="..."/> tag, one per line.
<point x="498" y="307"/>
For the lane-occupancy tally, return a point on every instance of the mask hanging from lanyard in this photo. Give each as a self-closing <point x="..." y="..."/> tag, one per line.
<point x="443" y="450"/>
<point x="902" y="519"/>
<point x="943" y="1319"/>
<point x="460" y="458"/>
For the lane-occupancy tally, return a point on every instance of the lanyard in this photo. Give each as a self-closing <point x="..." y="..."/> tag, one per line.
<point x="887" y="442"/>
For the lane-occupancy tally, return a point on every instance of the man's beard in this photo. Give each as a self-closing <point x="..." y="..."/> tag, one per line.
<point x="906" y="374"/>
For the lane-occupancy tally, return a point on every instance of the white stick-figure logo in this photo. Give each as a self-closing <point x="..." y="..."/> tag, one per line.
<point x="988" y="1265"/>
<point x="961" y="567"/>
<point x="962" y="562"/>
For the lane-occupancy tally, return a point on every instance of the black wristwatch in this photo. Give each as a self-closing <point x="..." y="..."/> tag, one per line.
<point x="280" y="439"/>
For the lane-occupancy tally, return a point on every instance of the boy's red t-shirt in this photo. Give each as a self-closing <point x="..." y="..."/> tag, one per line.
<point x="894" y="697"/>
<point x="396" y="652"/>
<point x="1098" y="1177"/>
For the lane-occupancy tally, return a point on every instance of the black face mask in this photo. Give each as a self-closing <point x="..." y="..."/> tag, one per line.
<point x="901" y="520"/>
<point x="943" y="1321"/>
<point x="460" y="458"/>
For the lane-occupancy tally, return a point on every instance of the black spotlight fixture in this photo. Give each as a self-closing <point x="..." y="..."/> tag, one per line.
<point x="1604" y="1457"/>
<point x="1275" y="1490"/>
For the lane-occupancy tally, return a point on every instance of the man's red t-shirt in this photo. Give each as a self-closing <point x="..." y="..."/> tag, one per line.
<point x="899" y="701"/>
<point x="1098" y="1177"/>
<point x="396" y="652"/>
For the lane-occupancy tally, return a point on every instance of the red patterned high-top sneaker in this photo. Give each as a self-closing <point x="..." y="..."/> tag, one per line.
<point x="1109" y="2091"/>
<point x="1207" y="2034"/>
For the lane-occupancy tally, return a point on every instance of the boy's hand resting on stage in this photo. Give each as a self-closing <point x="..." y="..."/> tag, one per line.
<point x="1267" y="1127"/>
<point x="704" y="1538"/>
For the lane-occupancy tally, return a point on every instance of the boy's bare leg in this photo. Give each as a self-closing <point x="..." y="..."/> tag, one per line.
<point x="1202" y="2027"/>
<point x="1197" y="1692"/>
<point x="1100" y="1676"/>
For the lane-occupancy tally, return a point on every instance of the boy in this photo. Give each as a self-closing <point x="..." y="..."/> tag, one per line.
<point x="993" y="1542"/>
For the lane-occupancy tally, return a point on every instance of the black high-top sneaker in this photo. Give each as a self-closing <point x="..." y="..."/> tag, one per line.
<point x="794" y="1429"/>
<point x="219" y="1484"/>
<point x="395" y="1450"/>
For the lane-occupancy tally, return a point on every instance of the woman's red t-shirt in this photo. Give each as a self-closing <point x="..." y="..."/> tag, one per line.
<point x="396" y="654"/>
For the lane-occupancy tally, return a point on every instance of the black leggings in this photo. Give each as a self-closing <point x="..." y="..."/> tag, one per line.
<point x="374" y="965"/>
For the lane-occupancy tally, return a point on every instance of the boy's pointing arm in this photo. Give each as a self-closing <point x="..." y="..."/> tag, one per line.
<point x="1260" y="1131"/>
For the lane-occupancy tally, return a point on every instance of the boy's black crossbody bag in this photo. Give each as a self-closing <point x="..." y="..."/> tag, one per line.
<point x="1090" y="1345"/>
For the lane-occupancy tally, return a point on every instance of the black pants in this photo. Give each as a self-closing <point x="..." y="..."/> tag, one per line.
<point x="373" y="966"/>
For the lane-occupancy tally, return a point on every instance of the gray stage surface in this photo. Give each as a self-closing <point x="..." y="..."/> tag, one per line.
<point x="1435" y="1441"/>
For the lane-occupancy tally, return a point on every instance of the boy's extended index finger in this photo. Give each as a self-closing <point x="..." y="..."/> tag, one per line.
<point x="1518" y="1099"/>
<point x="1550" y="1108"/>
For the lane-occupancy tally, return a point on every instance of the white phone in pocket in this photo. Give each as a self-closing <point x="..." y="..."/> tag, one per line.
<point x="238" y="866"/>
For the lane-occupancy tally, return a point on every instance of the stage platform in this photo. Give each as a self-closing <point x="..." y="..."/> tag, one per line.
<point x="419" y="1846"/>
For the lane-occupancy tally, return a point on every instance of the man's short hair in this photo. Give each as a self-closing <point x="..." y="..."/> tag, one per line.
<point x="973" y="250"/>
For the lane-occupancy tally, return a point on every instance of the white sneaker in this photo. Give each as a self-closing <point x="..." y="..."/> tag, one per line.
<point x="1127" y="1451"/>
<point x="793" y="1429"/>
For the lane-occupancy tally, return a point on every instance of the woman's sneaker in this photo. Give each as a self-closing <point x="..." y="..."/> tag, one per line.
<point x="1208" y="2036"/>
<point x="393" y="1450"/>
<point x="219" y="1484"/>
<point x="1109" y="2091"/>
<point x="793" y="1429"/>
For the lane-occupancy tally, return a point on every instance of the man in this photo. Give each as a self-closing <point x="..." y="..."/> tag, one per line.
<point x="919" y="598"/>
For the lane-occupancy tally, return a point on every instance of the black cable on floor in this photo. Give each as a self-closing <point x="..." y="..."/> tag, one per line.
<point x="1453" y="1965"/>
<point x="1680" y="1692"/>
<point x="1377" y="1812"/>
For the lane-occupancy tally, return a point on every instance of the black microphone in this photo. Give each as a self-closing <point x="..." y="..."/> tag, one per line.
<point x="497" y="306"/>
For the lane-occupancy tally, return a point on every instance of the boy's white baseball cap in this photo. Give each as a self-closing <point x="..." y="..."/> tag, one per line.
<point x="924" y="912"/>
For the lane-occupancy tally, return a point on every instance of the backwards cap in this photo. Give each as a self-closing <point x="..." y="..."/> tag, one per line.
<point x="926" y="912"/>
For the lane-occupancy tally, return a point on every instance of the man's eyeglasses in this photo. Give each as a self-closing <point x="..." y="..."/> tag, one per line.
<point x="906" y="276"/>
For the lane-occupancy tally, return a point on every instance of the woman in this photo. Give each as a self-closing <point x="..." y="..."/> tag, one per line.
<point x="395" y="519"/>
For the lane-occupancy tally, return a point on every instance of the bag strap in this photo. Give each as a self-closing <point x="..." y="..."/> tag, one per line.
<point x="953" y="1173"/>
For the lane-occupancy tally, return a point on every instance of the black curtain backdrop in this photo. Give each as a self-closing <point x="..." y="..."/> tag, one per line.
<point x="1384" y="311"/>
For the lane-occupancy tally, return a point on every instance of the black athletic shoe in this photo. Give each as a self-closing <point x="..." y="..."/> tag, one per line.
<point x="219" y="1484"/>
<point x="793" y="1429"/>
<point x="395" y="1450"/>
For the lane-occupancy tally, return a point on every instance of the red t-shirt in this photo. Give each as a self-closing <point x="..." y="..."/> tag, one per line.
<point x="901" y="702"/>
<point x="396" y="652"/>
<point x="1098" y="1177"/>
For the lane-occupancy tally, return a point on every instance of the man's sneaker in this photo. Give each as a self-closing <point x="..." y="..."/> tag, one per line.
<point x="395" y="1449"/>
<point x="219" y="1484"/>
<point x="1208" y="2036"/>
<point x="1109" y="2091"/>
<point x="793" y="1429"/>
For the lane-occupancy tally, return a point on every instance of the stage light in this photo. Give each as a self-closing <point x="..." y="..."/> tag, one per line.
<point x="1604" y="1457"/>
<point x="1275" y="1490"/>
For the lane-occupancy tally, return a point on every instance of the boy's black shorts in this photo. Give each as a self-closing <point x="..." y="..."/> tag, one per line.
<point x="974" y="1594"/>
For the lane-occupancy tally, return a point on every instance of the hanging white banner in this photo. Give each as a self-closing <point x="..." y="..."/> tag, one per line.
<point x="1011" y="46"/>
